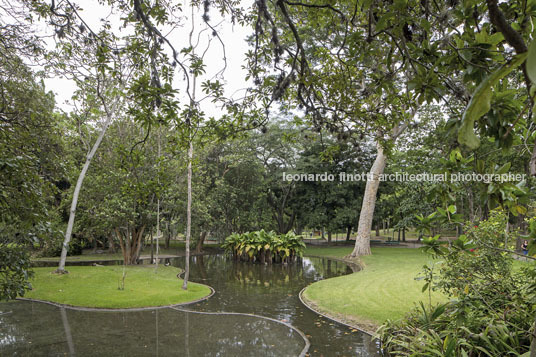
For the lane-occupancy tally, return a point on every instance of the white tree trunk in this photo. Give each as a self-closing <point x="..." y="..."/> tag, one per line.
<point x="157" y="210"/>
<point x="532" y="162"/>
<point x="188" y="216"/>
<point x="362" y="242"/>
<point x="68" y="232"/>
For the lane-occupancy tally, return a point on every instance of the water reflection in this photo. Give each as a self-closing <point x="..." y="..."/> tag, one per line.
<point x="39" y="329"/>
<point x="67" y="330"/>
<point x="271" y="291"/>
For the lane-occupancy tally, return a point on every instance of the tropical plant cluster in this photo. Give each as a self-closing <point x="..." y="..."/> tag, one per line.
<point x="265" y="247"/>
<point x="491" y="306"/>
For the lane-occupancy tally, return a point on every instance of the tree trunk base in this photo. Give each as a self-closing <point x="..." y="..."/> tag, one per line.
<point x="359" y="251"/>
<point x="60" y="271"/>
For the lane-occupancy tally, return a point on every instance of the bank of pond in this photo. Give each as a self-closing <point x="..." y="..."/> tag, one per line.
<point x="255" y="310"/>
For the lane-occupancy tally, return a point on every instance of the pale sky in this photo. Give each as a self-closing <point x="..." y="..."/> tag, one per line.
<point x="233" y="37"/>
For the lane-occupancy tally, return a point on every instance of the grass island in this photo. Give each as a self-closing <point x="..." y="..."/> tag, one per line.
<point x="99" y="287"/>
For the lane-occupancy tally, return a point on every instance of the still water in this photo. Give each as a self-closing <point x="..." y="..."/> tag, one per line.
<point x="255" y="290"/>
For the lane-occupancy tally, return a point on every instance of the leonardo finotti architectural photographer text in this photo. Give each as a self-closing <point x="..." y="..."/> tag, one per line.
<point x="405" y="177"/>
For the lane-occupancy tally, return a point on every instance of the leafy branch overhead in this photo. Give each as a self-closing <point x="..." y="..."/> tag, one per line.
<point x="480" y="103"/>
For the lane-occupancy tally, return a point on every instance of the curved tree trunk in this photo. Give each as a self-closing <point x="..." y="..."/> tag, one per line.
<point x="362" y="241"/>
<point x="200" y="242"/>
<point x="72" y="212"/>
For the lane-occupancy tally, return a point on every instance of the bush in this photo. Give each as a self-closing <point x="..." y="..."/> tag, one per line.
<point x="14" y="270"/>
<point x="264" y="247"/>
<point x="491" y="310"/>
<point x="52" y="247"/>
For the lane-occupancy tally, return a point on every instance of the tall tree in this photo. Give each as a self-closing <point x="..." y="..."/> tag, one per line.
<point x="110" y="111"/>
<point x="339" y="62"/>
<point x="328" y="62"/>
<point x="333" y="205"/>
<point x="31" y="160"/>
<point x="188" y="62"/>
<point x="157" y="62"/>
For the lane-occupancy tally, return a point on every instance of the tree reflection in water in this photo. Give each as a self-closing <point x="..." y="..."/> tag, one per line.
<point x="271" y="291"/>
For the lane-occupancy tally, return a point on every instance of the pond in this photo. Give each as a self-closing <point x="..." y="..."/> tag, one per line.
<point x="269" y="321"/>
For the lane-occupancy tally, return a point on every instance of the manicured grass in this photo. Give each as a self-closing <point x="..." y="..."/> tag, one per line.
<point x="175" y="248"/>
<point x="519" y="264"/>
<point x="411" y="234"/>
<point x="336" y="252"/>
<point x="83" y="257"/>
<point x="385" y="234"/>
<point x="97" y="286"/>
<point x="385" y="289"/>
<point x="91" y="257"/>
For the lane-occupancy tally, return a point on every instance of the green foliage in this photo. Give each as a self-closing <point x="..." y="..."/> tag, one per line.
<point x="490" y="311"/>
<point x="333" y="205"/>
<point x="14" y="270"/>
<point x="262" y="246"/>
<point x="532" y="236"/>
<point x="120" y="192"/>
<point x="53" y="245"/>
<point x="30" y="164"/>
<point x="433" y="246"/>
<point x="429" y="331"/>
<point x="480" y="103"/>
<point x="230" y="188"/>
<point x="531" y="62"/>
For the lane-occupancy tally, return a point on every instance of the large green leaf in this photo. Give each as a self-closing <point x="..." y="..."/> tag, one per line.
<point x="503" y="169"/>
<point x="481" y="102"/>
<point x="531" y="62"/>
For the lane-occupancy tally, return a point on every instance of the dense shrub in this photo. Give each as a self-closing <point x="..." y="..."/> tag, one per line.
<point x="53" y="245"/>
<point x="14" y="270"/>
<point x="265" y="247"/>
<point x="491" y="307"/>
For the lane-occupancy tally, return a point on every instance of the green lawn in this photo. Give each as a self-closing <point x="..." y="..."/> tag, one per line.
<point x="97" y="286"/>
<point x="83" y="257"/>
<point x="385" y="234"/>
<point x="384" y="289"/>
<point x="175" y="248"/>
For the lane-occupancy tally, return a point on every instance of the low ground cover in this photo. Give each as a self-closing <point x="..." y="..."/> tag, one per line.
<point x="490" y="310"/>
<point x="385" y="289"/>
<point x="98" y="286"/>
